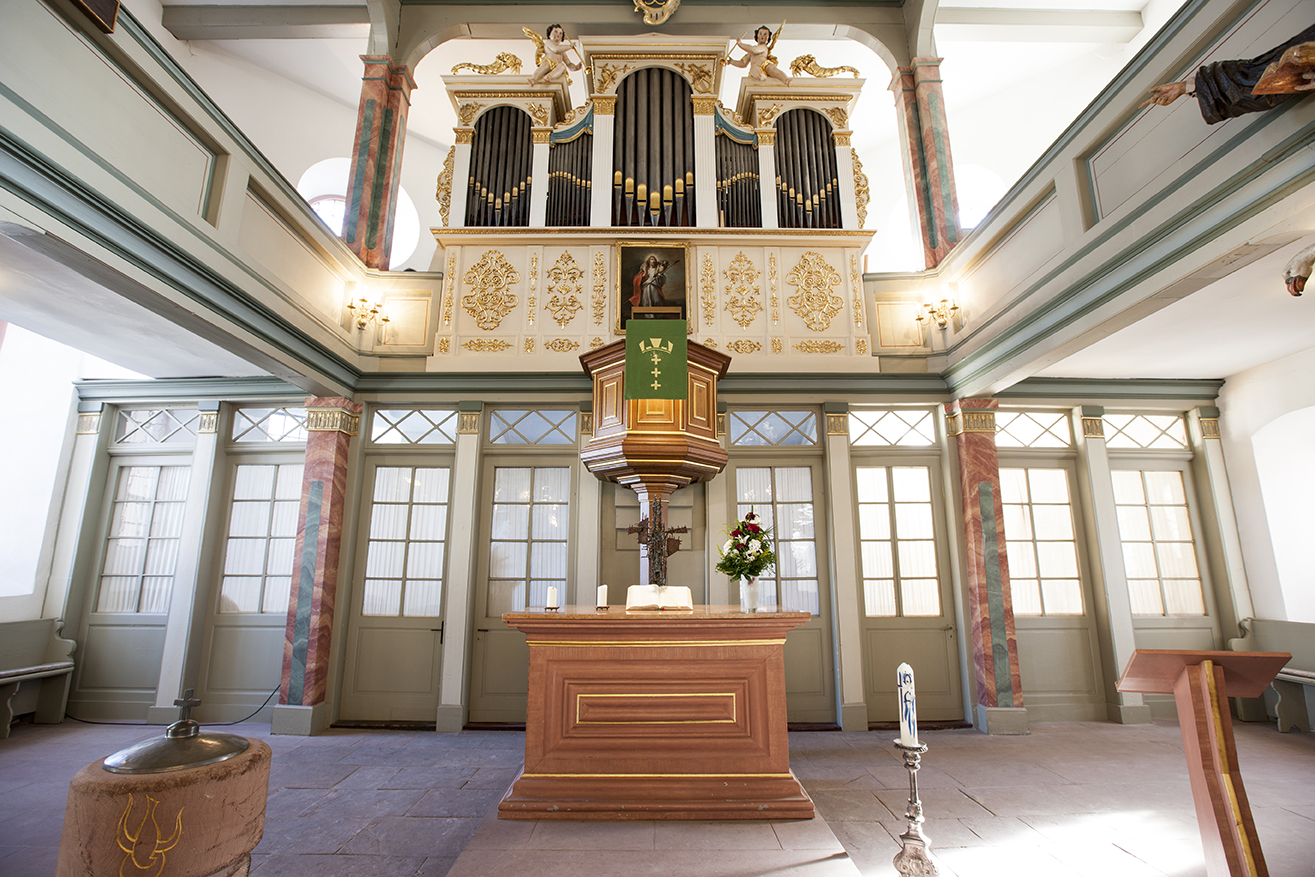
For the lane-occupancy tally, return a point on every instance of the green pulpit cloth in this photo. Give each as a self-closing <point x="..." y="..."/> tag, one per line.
<point x="657" y="366"/>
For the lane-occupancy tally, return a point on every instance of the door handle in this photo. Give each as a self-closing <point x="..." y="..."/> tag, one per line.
<point x="481" y="630"/>
<point x="439" y="630"/>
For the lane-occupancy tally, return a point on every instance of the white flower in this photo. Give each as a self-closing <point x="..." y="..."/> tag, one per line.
<point x="725" y="549"/>
<point x="755" y="547"/>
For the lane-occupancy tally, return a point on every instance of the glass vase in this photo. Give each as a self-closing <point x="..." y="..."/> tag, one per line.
<point x="749" y="594"/>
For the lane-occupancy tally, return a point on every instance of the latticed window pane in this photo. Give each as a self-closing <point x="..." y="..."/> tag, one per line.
<point x="262" y="535"/>
<point x="1040" y="544"/>
<point x="408" y="540"/>
<point x="157" y="426"/>
<point x="536" y="427"/>
<point x="905" y="428"/>
<point x="897" y="541"/>
<point x="277" y="425"/>
<point x="529" y="548"/>
<point x="141" y="548"/>
<point x="782" y="498"/>
<point x="1145" y="431"/>
<point x="410" y="426"/>
<point x="772" y="428"/>
<point x="1032" y="429"/>
<point x="1159" y="552"/>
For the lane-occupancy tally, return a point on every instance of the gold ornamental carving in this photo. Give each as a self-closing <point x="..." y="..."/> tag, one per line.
<point x="861" y="194"/>
<point x="841" y="138"/>
<point x="468" y="423"/>
<point x="491" y="277"/>
<point x="443" y="191"/>
<point x="466" y="113"/>
<point x="839" y="117"/>
<point x="534" y="286"/>
<point x="146" y="854"/>
<point x="544" y="136"/>
<point x="565" y="282"/>
<point x="778" y="346"/>
<point x="742" y="294"/>
<point x="656" y="11"/>
<point x="709" y="343"/>
<point x="561" y="345"/>
<point x="604" y="105"/>
<point x="837" y="424"/>
<point x="704" y="106"/>
<point x="739" y="120"/>
<point x="767" y="116"/>
<point x="858" y="291"/>
<point x="1210" y="428"/>
<point x="571" y="116"/>
<point x="970" y="421"/>
<point x="599" y="300"/>
<point x="699" y="75"/>
<point x="606" y="75"/>
<point x="816" y="302"/>
<point x="767" y="138"/>
<point x="504" y="61"/>
<point x="587" y="422"/>
<point x="464" y="136"/>
<point x="486" y="345"/>
<point x="1094" y="427"/>
<point x="861" y="347"/>
<point x="208" y="423"/>
<point x="539" y="113"/>
<point x="721" y="425"/>
<point x="744" y="346"/>
<point x="596" y="343"/>
<point x="529" y="344"/>
<point x="808" y="64"/>
<point x="775" y="302"/>
<point x="814" y="346"/>
<point x="708" y="283"/>
<point x="444" y="344"/>
<point x="88" y="424"/>
<point x="332" y="420"/>
<point x="447" y="287"/>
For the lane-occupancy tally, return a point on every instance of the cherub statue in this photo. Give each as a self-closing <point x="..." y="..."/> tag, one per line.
<point x="550" y="55"/>
<point x="759" y="58"/>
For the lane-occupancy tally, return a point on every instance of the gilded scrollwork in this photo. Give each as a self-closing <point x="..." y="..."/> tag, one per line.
<point x="744" y="346"/>
<point x="599" y="300"/>
<point x="767" y="116"/>
<point x="709" y="343"/>
<point x="596" y="343"/>
<point x="808" y="64"/>
<point x="778" y="346"/>
<point x="775" y="302"/>
<point x="699" y="75"/>
<point x="861" y="193"/>
<point x="491" y="278"/>
<point x="857" y="283"/>
<point x="561" y="345"/>
<point x="529" y="344"/>
<point x="606" y="75"/>
<point x="839" y="117"/>
<point x="443" y="191"/>
<point x="565" y="282"/>
<point x="534" y="286"/>
<point x="816" y="301"/>
<point x="444" y="344"/>
<point x="708" y="284"/>
<point x="814" y="346"/>
<point x="448" y="278"/>
<point x="742" y="293"/>
<point x="486" y="345"/>
<point x="861" y="347"/>
<point x="466" y="113"/>
<point x="463" y="136"/>
<point x="570" y="117"/>
<point x="539" y="113"/>
<point x="505" y="61"/>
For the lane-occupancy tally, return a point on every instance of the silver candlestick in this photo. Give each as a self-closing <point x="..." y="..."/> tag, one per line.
<point x="914" y="858"/>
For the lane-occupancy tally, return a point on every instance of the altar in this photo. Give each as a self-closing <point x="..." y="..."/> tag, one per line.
<point x="656" y="715"/>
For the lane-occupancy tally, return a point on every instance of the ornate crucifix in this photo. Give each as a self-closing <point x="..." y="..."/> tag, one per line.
<point x="656" y="542"/>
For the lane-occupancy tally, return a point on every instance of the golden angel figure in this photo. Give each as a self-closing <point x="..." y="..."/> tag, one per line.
<point x="550" y="55"/>
<point x="758" y="57"/>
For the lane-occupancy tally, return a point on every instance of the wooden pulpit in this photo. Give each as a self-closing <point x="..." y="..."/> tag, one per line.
<point x="1201" y="683"/>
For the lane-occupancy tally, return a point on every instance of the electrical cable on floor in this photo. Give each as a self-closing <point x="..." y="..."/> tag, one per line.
<point x="258" y="709"/>
<point x="216" y="724"/>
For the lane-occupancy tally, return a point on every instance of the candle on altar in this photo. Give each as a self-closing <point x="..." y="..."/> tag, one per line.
<point x="552" y="598"/>
<point x="602" y="597"/>
<point x="908" y="711"/>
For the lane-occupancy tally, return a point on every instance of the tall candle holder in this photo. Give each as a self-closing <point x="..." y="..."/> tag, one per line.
<point x="914" y="858"/>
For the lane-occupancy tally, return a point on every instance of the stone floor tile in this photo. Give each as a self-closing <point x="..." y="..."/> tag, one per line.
<point x="371" y="778"/>
<point x="610" y="863"/>
<point x="846" y="805"/>
<point x="29" y="862"/>
<point x="303" y="836"/>
<point x="371" y="803"/>
<point x="464" y="803"/>
<point x="498" y="778"/>
<point x="436" y="866"/>
<point x="561" y="835"/>
<point x="944" y="832"/>
<point x="805" y="834"/>
<point x="1006" y="862"/>
<point x="501" y="834"/>
<point x="310" y="775"/>
<point x="1003" y="831"/>
<point x="744" y="834"/>
<point x="292" y="802"/>
<point x="429" y="778"/>
<point x="337" y="866"/>
<point x="936" y="803"/>
<point x="412" y="836"/>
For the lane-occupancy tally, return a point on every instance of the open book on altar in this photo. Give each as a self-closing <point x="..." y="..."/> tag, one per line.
<point x="654" y="597"/>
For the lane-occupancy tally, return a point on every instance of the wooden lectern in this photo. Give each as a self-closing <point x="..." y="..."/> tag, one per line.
<point x="1201" y="683"/>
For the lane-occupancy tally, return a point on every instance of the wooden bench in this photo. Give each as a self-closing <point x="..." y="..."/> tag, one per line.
<point x="32" y="651"/>
<point x="1264" y="635"/>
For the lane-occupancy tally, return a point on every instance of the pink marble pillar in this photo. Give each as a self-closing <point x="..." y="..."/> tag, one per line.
<point x="330" y="425"/>
<point x="971" y="424"/>
<point x="928" y="168"/>
<point x="375" y="178"/>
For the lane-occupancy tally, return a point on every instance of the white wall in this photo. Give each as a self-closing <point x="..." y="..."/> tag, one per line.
<point x="36" y="379"/>
<point x="1267" y="422"/>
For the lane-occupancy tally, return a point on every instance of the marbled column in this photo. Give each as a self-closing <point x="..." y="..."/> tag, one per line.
<point x="971" y="424"/>
<point x="330" y="425"/>
<point x="928" y="168"/>
<point x="375" y="179"/>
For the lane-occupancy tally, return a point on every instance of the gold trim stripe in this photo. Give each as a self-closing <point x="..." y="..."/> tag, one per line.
<point x="1221" y="751"/>
<point x="633" y="644"/>
<point x="637" y="776"/>
<point x="730" y="694"/>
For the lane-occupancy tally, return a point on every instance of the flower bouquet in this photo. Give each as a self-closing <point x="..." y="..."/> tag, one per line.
<point x="746" y="555"/>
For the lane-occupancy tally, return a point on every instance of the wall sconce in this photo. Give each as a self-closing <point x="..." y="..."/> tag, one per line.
<point x="938" y="313"/>
<point x="364" y="311"/>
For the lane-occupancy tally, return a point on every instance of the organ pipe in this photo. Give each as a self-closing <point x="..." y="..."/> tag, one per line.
<point x="569" y="190"/>
<point x="500" y="164"/>
<point x="738" y="202"/>
<point x="808" y="188"/>
<point x="653" y="156"/>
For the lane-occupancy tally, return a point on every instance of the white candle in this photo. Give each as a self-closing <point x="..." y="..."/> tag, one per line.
<point x="552" y="598"/>
<point x="908" y="711"/>
<point x="602" y="597"/>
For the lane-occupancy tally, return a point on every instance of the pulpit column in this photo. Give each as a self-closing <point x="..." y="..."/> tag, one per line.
<point x="330" y="425"/>
<point x="971" y="424"/>
<point x="705" y="162"/>
<point x="460" y="176"/>
<point x="928" y="168"/>
<point x="539" y="176"/>
<point x="767" y="178"/>
<point x="375" y="178"/>
<point x="600" y="208"/>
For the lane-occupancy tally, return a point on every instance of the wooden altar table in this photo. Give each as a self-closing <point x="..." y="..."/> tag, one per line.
<point x="656" y="715"/>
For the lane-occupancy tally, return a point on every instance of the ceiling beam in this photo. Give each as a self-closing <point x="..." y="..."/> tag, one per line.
<point x="267" y="22"/>
<point x="961" y="24"/>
